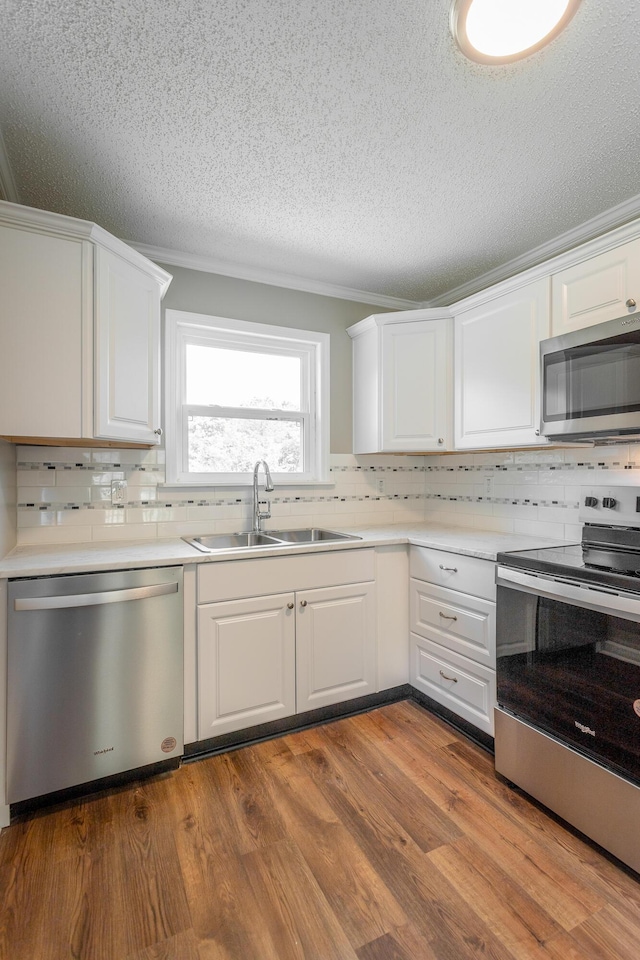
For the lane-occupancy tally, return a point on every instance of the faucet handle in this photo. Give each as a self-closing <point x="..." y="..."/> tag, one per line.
<point x="267" y="513"/>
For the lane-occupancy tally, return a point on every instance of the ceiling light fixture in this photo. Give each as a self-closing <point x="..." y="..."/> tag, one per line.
<point x="499" y="31"/>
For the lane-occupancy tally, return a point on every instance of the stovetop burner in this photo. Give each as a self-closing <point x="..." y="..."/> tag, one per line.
<point x="609" y="554"/>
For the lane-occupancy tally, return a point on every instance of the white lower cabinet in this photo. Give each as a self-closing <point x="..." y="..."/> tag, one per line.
<point x="453" y="633"/>
<point x="336" y="651"/>
<point x="262" y="658"/>
<point x="246" y="663"/>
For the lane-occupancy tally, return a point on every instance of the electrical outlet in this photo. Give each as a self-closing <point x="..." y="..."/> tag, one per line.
<point x="380" y="484"/>
<point x="118" y="491"/>
<point x="488" y="486"/>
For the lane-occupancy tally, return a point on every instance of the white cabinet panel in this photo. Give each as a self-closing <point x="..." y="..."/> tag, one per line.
<point x="246" y="663"/>
<point x="464" y="686"/>
<point x="336" y="645"/>
<point x="454" y="570"/>
<point x="402" y="382"/>
<point x="128" y="351"/>
<point x="459" y="622"/>
<point x="497" y="369"/>
<point x="80" y="332"/>
<point x="45" y="320"/>
<point x="597" y="289"/>
<point x="415" y="363"/>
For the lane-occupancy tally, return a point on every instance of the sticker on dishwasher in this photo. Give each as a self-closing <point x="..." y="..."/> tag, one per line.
<point x="168" y="744"/>
<point x="636" y="706"/>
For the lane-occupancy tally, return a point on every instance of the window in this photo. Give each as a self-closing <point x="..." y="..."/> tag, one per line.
<point x="238" y="392"/>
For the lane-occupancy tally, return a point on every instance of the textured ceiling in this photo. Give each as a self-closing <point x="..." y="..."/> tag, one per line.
<point x="345" y="141"/>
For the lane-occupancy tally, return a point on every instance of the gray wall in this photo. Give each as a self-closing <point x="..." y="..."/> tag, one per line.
<point x="218" y="296"/>
<point x="7" y="497"/>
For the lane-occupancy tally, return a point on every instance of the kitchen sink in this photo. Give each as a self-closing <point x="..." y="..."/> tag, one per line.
<point x="230" y="541"/>
<point x="310" y="535"/>
<point x="275" y="538"/>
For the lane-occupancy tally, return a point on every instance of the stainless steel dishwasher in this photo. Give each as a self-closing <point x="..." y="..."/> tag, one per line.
<point x="95" y="671"/>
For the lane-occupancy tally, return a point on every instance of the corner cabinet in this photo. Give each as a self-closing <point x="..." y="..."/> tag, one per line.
<point x="497" y="392"/>
<point x="80" y="328"/>
<point x="600" y="288"/>
<point x="402" y="382"/>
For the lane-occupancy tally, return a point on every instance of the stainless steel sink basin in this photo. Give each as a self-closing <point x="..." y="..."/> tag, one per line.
<point x="310" y="535"/>
<point x="275" y="538"/>
<point x="230" y="541"/>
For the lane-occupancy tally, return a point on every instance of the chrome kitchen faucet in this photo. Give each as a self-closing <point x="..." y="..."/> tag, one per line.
<point x="258" y="517"/>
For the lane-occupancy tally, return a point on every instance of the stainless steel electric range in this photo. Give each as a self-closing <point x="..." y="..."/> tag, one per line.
<point x="568" y="673"/>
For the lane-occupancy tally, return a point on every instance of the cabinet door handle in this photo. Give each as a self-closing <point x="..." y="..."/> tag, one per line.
<point x="447" y="616"/>
<point x="449" y="569"/>
<point x="630" y="302"/>
<point x="290" y="606"/>
<point x="158" y="432"/>
<point x="303" y="603"/>
<point x="453" y="679"/>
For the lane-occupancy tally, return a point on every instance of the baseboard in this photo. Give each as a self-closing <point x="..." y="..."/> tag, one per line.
<point x="479" y="737"/>
<point x="300" y="721"/>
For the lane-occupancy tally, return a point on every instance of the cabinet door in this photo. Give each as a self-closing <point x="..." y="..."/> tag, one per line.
<point x="415" y="396"/>
<point x="335" y="645"/>
<point x="46" y="320"/>
<point x="597" y="289"/>
<point x="497" y="393"/>
<point x="127" y="391"/>
<point x="246" y="663"/>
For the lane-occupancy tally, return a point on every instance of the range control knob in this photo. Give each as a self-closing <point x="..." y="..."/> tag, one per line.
<point x="609" y="503"/>
<point x="590" y="501"/>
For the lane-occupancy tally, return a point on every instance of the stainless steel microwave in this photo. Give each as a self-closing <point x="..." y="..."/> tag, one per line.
<point x="591" y="382"/>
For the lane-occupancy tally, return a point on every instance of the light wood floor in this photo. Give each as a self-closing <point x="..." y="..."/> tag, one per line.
<point x="380" y="837"/>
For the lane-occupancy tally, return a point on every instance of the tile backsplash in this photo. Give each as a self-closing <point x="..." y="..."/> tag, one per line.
<point x="64" y="493"/>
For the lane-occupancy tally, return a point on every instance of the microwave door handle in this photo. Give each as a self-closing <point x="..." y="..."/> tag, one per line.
<point x="626" y="607"/>
<point x="92" y="599"/>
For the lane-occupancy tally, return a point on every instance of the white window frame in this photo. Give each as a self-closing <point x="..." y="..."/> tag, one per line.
<point x="182" y="329"/>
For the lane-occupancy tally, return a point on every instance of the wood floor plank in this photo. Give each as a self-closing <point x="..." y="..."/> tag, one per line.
<point x="386" y="836"/>
<point x="395" y="794"/>
<point x="431" y="904"/>
<point x="184" y="946"/>
<point x="357" y="895"/>
<point x="299" y="919"/>
<point x="403" y="943"/>
<point x="513" y="916"/>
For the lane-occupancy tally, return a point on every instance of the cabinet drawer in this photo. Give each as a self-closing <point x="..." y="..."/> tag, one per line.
<point x="459" y="622"/>
<point x="467" y="688"/>
<point x="455" y="571"/>
<point x="233" y="579"/>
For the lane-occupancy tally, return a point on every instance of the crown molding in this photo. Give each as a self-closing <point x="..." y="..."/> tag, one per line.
<point x="238" y="271"/>
<point x="387" y="319"/>
<point x="610" y="220"/>
<point x="8" y="188"/>
<point x="59" y="225"/>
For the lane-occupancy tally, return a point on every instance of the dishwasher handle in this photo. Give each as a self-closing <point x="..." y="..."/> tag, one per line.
<point x="93" y="599"/>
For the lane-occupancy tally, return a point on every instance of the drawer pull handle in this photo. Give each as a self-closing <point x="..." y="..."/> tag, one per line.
<point x="453" y="679"/>
<point x="447" y="616"/>
<point x="449" y="569"/>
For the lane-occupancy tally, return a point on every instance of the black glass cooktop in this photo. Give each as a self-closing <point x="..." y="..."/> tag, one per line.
<point x="570" y="562"/>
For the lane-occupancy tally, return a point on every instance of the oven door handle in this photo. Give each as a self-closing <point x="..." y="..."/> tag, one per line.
<point x="624" y="606"/>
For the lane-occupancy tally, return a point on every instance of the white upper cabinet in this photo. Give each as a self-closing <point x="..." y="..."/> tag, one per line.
<point x="497" y="369"/>
<point x="80" y="332"/>
<point x="601" y="288"/>
<point x="402" y="382"/>
<point x="127" y="371"/>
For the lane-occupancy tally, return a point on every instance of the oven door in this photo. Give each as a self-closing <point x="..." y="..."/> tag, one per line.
<point x="568" y="662"/>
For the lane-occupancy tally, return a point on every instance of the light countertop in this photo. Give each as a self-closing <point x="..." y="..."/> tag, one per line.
<point x="31" y="561"/>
